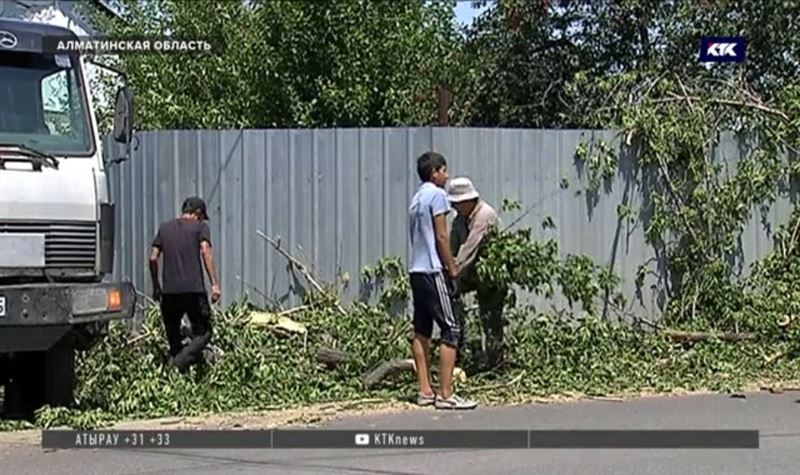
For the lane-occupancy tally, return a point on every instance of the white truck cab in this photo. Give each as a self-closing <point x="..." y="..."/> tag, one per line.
<point x="56" y="218"/>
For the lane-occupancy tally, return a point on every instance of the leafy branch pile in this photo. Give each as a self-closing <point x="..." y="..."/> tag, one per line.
<point x="256" y="367"/>
<point x="694" y="213"/>
<point x="629" y="66"/>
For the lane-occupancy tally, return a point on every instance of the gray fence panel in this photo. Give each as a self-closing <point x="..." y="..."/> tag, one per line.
<point x="337" y="199"/>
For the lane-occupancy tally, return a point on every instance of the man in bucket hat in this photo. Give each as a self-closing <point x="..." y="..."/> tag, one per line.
<point x="474" y="221"/>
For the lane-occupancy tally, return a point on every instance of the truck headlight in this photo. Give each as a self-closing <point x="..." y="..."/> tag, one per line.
<point x="96" y="300"/>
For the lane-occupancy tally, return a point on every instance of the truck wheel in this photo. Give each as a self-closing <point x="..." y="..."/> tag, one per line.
<point x="39" y="378"/>
<point x="4" y="363"/>
<point x="24" y="389"/>
<point x="59" y="374"/>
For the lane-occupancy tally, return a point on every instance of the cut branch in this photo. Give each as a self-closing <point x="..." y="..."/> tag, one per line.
<point x="331" y="357"/>
<point x="138" y="338"/>
<point x="684" y="336"/>
<point x="788" y="251"/>
<point x="673" y="191"/>
<point x="385" y="369"/>
<point x="776" y="357"/>
<point x="726" y="102"/>
<point x="259" y="292"/>
<point x="301" y="267"/>
<point x="685" y="92"/>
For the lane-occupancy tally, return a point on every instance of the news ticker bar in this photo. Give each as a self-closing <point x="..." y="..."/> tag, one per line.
<point x="422" y="439"/>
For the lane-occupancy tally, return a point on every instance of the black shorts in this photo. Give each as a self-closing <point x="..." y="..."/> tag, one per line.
<point x="432" y="296"/>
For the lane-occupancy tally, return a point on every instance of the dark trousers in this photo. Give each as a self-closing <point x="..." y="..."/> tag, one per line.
<point x="491" y="303"/>
<point x="196" y="307"/>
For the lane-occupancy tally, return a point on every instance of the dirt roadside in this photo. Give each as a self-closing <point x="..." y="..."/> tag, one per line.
<point x="320" y="414"/>
<point x="303" y="416"/>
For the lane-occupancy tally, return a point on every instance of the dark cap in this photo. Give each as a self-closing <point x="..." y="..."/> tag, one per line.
<point x="194" y="204"/>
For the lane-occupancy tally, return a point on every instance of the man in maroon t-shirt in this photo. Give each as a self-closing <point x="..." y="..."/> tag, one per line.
<point x="185" y="245"/>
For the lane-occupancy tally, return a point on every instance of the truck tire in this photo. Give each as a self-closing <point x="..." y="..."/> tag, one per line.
<point x="22" y="391"/>
<point x="59" y="374"/>
<point x="4" y="363"/>
<point x="40" y="378"/>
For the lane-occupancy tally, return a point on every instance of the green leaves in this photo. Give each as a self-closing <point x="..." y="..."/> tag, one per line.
<point x="696" y="202"/>
<point x="515" y="259"/>
<point x="291" y="64"/>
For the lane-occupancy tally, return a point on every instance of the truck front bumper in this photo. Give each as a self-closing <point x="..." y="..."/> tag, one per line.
<point x="35" y="316"/>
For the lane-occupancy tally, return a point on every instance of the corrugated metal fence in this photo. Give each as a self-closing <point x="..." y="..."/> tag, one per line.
<point x="338" y="198"/>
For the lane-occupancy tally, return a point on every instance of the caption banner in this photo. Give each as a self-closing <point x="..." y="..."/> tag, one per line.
<point x="66" y="45"/>
<point x="422" y="439"/>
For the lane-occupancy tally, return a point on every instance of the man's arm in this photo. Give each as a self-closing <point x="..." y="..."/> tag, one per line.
<point x="208" y="262"/>
<point x="155" y="253"/>
<point x="468" y="252"/>
<point x="443" y="244"/>
<point x="439" y="208"/>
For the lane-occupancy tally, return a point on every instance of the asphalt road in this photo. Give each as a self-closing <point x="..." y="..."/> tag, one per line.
<point x="775" y="415"/>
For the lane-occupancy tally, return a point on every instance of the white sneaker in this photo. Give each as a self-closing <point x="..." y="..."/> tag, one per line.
<point x="455" y="402"/>
<point x="424" y="400"/>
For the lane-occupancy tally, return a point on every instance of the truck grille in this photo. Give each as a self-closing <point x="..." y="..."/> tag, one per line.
<point x="67" y="244"/>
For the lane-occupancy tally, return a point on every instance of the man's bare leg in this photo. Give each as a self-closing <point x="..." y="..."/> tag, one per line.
<point x="447" y="362"/>
<point x="420" y="347"/>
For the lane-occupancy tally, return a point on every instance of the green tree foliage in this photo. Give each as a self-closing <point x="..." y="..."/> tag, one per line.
<point x="375" y="63"/>
<point x="290" y="63"/>
<point x="522" y="57"/>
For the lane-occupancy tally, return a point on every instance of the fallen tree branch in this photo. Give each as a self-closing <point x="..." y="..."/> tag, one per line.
<point x="684" y="336"/>
<point x="301" y="267"/>
<point x="685" y="92"/>
<point x="293" y="260"/>
<point x="313" y="271"/>
<point x="788" y="251"/>
<point x="398" y="365"/>
<point x="147" y="298"/>
<point x="771" y="359"/>
<point x="383" y="370"/>
<point x="138" y="338"/>
<point x="259" y="292"/>
<point x="286" y="313"/>
<point x="780" y="389"/>
<point x="673" y="191"/>
<point x="287" y="326"/>
<point x="331" y="357"/>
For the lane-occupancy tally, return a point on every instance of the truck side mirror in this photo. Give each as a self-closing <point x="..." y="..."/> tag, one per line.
<point x="123" y="116"/>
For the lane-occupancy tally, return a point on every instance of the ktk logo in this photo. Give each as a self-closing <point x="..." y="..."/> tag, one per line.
<point x="722" y="49"/>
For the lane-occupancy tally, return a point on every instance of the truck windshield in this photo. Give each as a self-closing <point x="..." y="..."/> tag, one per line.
<point x="43" y="104"/>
